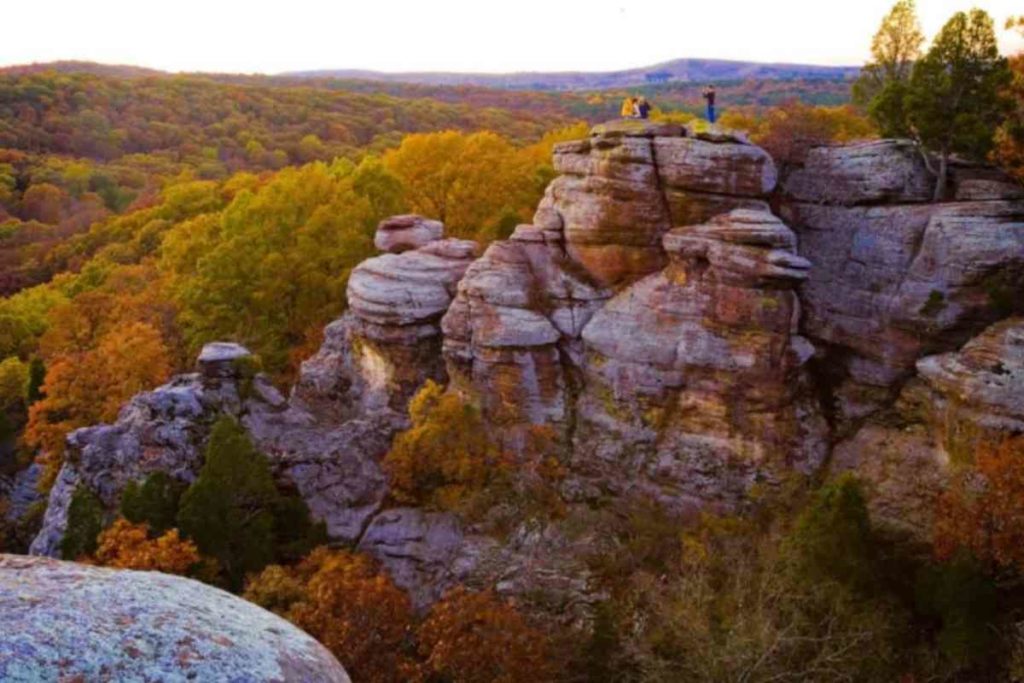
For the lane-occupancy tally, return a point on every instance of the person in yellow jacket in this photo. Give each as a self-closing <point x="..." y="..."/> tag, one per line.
<point x="628" y="108"/>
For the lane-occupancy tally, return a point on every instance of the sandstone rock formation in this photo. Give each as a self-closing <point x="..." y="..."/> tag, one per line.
<point x="622" y="189"/>
<point x="389" y="342"/>
<point x="694" y="384"/>
<point x="512" y="334"/>
<point x="896" y="278"/>
<point x="71" y="622"/>
<point x="402" y="233"/>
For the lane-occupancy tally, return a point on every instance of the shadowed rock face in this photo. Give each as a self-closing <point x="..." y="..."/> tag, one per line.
<point x="69" y="622"/>
<point x="895" y="278"/>
<point x="957" y="400"/>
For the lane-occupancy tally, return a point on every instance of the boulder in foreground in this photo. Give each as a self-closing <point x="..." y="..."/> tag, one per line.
<point x="70" y="622"/>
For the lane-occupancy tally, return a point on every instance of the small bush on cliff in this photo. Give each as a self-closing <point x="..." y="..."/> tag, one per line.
<point x="446" y="456"/>
<point x="234" y="512"/>
<point x="342" y="600"/>
<point x="153" y="503"/>
<point x="85" y="522"/>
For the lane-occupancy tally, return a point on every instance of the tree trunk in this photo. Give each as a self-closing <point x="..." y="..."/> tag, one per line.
<point x="940" y="179"/>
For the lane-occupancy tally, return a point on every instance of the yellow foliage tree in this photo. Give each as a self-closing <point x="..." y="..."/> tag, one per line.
<point x="446" y="456"/>
<point x="473" y="183"/>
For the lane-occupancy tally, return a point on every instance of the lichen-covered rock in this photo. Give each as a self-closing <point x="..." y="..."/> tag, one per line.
<point x="958" y="400"/>
<point x="72" y="622"/>
<point x="881" y="171"/>
<point x="403" y="233"/>
<point x="893" y="283"/>
<point x="419" y="549"/>
<point x="694" y="386"/>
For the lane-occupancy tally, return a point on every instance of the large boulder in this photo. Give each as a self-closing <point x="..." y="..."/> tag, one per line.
<point x="402" y="233"/>
<point x="72" y="622"/>
<point x="694" y="386"/>
<point x="957" y="401"/>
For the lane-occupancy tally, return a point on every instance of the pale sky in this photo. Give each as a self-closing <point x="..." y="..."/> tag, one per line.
<point x="454" y="35"/>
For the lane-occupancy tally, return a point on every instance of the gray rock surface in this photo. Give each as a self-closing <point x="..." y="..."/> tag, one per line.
<point x="71" y="622"/>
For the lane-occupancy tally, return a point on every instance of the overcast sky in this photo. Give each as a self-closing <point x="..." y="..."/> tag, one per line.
<point x="453" y="35"/>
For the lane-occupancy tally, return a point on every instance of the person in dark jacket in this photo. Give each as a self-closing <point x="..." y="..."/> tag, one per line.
<point x="709" y="95"/>
<point x="643" y="108"/>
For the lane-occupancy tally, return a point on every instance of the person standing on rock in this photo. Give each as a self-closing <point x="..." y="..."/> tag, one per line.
<point x="643" y="108"/>
<point x="709" y="95"/>
<point x="628" y="107"/>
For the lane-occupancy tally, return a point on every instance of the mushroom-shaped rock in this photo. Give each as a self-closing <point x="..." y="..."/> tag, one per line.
<point x="220" y="360"/>
<point x="72" y="622"/>
<point x="406" y="232"/>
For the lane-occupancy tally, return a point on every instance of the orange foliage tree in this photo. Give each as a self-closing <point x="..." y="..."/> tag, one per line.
<point x="982" y="511"/>
<point x="340" y="599"/>
<point x="127" y="546"/>
<point x="89" y="387"/>
<point x="478" y="638"/>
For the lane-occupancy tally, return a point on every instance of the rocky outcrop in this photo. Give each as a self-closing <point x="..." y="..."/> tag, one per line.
<point x="512" y="333"/>
<point x="957" y="401"/>
<point x="72" y="622"/>
<point x="161" y="430"/>
<point x="694" y="384"/>
<point x="389" y="342"/>
<point x="623" y="188"/>
<point x="896" y="278"/>
<point x="680" y="342"/>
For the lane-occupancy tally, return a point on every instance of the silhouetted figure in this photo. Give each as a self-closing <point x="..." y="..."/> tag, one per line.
<point x="709" y="95"/>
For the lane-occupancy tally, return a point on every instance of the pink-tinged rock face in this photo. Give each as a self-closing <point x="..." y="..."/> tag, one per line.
<point x="404" y="233"/>
<point x="510" y="333"/>
<point x="619" y="193"/>
<point x="700" y="365"/>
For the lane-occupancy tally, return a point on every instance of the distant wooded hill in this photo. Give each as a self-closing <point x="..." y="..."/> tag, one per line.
<point x="686" y="70"/>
